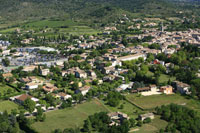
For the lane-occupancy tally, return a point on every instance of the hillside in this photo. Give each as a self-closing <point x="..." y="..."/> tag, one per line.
<point x="95" y="10"/>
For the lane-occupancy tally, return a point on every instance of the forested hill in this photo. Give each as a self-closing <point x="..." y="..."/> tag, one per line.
<point x="88" y="9"/>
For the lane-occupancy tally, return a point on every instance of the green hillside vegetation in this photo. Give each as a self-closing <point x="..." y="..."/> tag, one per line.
<point x="95" y="10"/>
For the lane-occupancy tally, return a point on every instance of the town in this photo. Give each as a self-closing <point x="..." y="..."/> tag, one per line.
<point x="115" y="68"/>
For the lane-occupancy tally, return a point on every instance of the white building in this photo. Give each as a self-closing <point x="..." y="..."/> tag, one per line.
<point x="45" y="72"/>
<point x="31" y="86"/>
<point x="132" y="57"/>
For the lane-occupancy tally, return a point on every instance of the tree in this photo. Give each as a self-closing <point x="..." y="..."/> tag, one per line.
<point x="87" y="126"/>
<point x="147" y="120"/>
<point x="20" y="85"/>
<point x="113" y="98"/>
<point x="132" y="122"/>
<point x="139" y="123"/>
<point x="6" y="62"/>
<point x="29" y="105"/>
<point x="40" y="115"/>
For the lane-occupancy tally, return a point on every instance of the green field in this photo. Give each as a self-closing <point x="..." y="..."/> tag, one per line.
<point x="128" y="108"/>
<point x="9" y="30"/>
<point x="6" y="90"/>
<point x="150" y="102"/>
<point x="65" y="26"/>
<point x="8" y="106"/>
<point x="68" y="118"/>
<point x="152" y="127"/>
<point x="79" y="30"/>
<point x="51" y="23"/>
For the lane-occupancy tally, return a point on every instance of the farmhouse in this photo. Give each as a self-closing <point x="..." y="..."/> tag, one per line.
<point x="166" y="89"/>
<point x="117" y="118"/>
<point x="145" y="116"/>
<point x="143" y="89"/>
<point x="183" y="88"/>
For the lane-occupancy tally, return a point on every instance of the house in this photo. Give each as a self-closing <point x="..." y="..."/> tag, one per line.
<point x="84" y="90"/>
<point x="153" y="88"/>
<point x="166" y="89"/>
<point x="25" y="80"/>
<point x="49" y="87"/>
<point x="31" y="86"/>
<point x="29" y="68"/>
<point x="143" y="89"/>
<point x="7" y="75"/>
<point x="109" y="78"/>
<point x="63" y="96"/>
<point x="145" y="116"/>
<point x="183" y="88"/>
<point x="117" y="118"/>
<point x="92" y="74"/>
<point x="122" y="87"/>
<point x="107" y="70"/>
<point x="80" y="74"/>
<point x="45" y="72"/>
<point x="6" y="52"/>
<point x="21" y="98"/>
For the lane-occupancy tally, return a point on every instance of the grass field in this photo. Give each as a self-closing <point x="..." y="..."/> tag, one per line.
<point x="6" y="90"/>
<point x="62" y="27"/>
<point x="7" y="105"/>
<point x="9" y="30"/>
<point x="150" y="102"/>
<point x="79" y="30"/>
<point x="69" y="118"/>
<point x="129" y="109"/>
<point x="153" y="127"/>
<point x="51" y="23"/>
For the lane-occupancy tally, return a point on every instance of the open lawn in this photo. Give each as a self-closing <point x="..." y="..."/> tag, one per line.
<point x="68" y="118"/>
<point x="150" y="102"/>
<point x="8" y="106"/>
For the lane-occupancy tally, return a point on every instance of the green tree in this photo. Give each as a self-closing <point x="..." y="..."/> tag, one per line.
<point x="87" y="127"/>
<point x="29" y="105"/>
